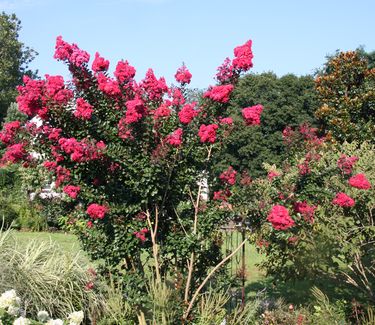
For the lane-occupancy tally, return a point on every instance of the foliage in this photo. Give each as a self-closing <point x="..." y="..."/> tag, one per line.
<point x="302" y="223"/>
<point x="287" y="101"/>
<point x="345" y="90"/>
<point x="14" y="60"/>
<point x="48" y="279"/>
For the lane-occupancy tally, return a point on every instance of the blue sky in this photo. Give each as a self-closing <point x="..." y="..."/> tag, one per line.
<point x="288" y="36"/>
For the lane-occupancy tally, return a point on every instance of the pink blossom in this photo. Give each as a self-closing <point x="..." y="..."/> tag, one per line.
<point x="78" y="56"/>
<point x="207" y="133"/>
<point x="183" y="75"/>
<point x="83" y="109"/>
<point x="63" y="50"/>
<point x="124" y="72"/>
<point x="135" y="111"/>
<point x="30" y="96"/>
<point x="280" y="218"/>
<point x="346" y="163"/>
<point x="100" y="64"/>
<point x="226" y="120"/>
<point x="175" y="138"/>
<point x="272" y="174"/>
<point x="163" y="110"/>
<point x="219" y="94"/>
<point x="343" y="200"/>
<point x="360" y="181"/>
<point x="153" y="87"/>
<point x="97" y="211"/>
<point x="14" y="153"/>
<point x="307" y="211"/>
<point x="9" y="131"/>
<point x="252" y="114"/>
<point x="141" y="235"/>
<point x="108" y="86"/>
<point x="228" y="176"/>
<point x="72" y="190"/>
<point x="225" y="72"/>
<point x="243" y="57"/>
<point x="187" y="113"/>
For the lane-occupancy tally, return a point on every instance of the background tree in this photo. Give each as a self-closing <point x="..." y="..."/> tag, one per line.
<point x="346" y="89"/>
<point x="289" y="100"/>
<point x="14" y="60"/>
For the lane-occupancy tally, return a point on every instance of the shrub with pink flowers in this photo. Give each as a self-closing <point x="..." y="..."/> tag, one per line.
<point x="130" y="157"/>
<point x="317" y="219"/>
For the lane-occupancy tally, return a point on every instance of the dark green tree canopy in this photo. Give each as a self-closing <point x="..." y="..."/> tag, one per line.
<point x="289" y="100"/>
<point x="14" y="60"/>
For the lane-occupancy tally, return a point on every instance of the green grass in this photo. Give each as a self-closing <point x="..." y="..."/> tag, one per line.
<point x="67" y="242"/>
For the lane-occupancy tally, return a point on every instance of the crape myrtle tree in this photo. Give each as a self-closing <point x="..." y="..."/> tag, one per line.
<point x="130" y="159"/>
<point x="288" y="101"/>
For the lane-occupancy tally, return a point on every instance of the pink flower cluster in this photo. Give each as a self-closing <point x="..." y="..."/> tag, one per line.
<point x="55" y="90"/>
<point x="124" y="72"/>
<point x="219" y="94"/>
<point x="9" y="131"/>
<point x="108" y="86"/>
<point x="141" y="235"/>
<point x="30" y="96"/>
<point x="153" y="87"/>
<point x="14" y="153"/>
<point x="100" y="64"/>
<point x="72" y="190"/>
<point x="346" y="163"/>
<point x="222" y="195"/>
<point x="272" y="174"/>
<point x="97" y="211"/>
<point x="163" y="110"/>
<point x="359" y="181"/>
<point x="187" y="113"/>
<point x="243" y="57"/>
<point x="279" y="218"/>
<point x="136" y="109"/>
<point x="175" y="138"/>
<point x="228" y="176"/>
<point x="82" y="151"/>
<point x="343" y="200"/>
<point x="70" y="52"/>
<point x="83" y="109"/>
<point x="207" y="133"/>
<point x="252" y="114"/>
<point x="307" y="211"/>
<point x="225" y="72"/>
<point x="183" y="75"/>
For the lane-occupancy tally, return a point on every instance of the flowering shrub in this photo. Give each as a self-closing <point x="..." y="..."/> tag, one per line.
<point x="131" y="158"/>
<point x="309" y="220"/>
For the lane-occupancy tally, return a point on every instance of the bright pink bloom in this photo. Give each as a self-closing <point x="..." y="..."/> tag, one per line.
<point x="14" y="153"/>
<point x="252" y="114"/>
<point x="135" y="111"/>
<point x="163" y="110"/>
<point x="187" y="113"/>
<point x="228" y="176"/>
<point x="72" y="190"/>
<point x="62" y="175"/>
<point x="9" y="131"/>
<point x="63" y="50"/>
<point x="243" y="57"/>
<point x="272" y="174"/>
<point x="100" y="64"/>
<point x="124" y="131"/>
<point x="108" y="86"/>
<point x="360" y="181"/>
<point x="219" y="94"/>
<point x="97" y="211"/>
<point x="207" y="133"/>
<point x="225" y="72"/>
<point x="78" y="56"/>
<point x="141" y="234"/>
<point x="83" y="109"/>
<point x="280" y="218"/>
<point x="55" y="90"/>
<point x="154" y="88"/>
<point x="177" y="97"/>
<point x="304" y="168"/>
<point x="30" y="96"/>
<point x="346" y="163"/>
<point x="81" y="151"/>
<point x="226" y="120"/>
<point x="307" y="211"/>
<point x="53" y="134"/>
<point x="50" y="165"/>
<point x="175" y="138"/>
<point x="124" y="72"/>
<point x="183" y="75"/>
<point x="343" y="200"/>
